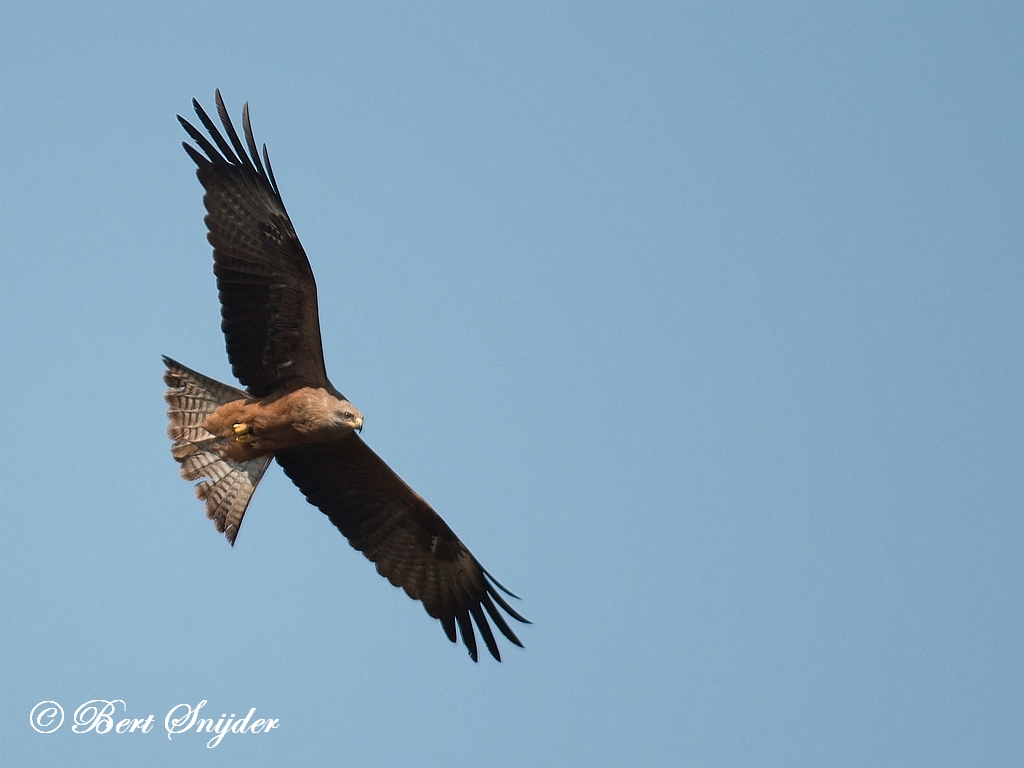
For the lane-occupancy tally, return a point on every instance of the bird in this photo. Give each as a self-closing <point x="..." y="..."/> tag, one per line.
<point x="225" y="437"/>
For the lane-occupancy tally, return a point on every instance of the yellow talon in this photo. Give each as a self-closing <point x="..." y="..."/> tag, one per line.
<point x="241" y="429"/>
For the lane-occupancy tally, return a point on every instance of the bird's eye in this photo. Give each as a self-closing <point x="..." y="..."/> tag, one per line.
<point x="347" y="415"/>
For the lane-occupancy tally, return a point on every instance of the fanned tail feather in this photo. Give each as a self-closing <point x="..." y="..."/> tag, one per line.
<point x="228" y="485"/>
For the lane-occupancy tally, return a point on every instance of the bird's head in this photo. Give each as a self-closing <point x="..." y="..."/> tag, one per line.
<point x="347" y="416"/>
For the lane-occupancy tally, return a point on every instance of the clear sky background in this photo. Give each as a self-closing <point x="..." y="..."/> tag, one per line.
<point x="701" y="325"/>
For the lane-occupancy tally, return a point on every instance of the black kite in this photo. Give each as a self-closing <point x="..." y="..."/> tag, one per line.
<point x="291" y="412"/>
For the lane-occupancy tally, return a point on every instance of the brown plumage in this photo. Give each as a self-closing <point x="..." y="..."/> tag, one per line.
<point x="291" y="412"/>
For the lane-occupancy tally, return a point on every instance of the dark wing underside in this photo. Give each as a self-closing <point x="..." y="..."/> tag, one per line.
<point x="267" y="291"/>
<point x="394" y="527"/>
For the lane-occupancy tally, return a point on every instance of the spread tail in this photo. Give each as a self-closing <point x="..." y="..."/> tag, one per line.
<point x="230" y="484"/>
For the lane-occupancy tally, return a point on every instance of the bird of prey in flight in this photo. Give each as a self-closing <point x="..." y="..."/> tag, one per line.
<point x="289" y="411"/>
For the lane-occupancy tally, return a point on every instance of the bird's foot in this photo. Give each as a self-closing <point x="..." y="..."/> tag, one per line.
<point x="243" y="433"/>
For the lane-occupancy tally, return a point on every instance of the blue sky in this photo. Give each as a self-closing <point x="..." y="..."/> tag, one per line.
<point x="701" y="324"/>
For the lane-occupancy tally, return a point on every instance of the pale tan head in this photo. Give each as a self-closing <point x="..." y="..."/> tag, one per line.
<point x="346" y="415"/>
<point x="320" y="416"/>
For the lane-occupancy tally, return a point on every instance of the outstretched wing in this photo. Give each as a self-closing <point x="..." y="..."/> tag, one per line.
<point x="394" y="527"/>
<point x="267" y="291"/>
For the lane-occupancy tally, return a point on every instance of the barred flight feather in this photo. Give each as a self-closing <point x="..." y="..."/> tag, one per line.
<point x="230" y="484"/>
